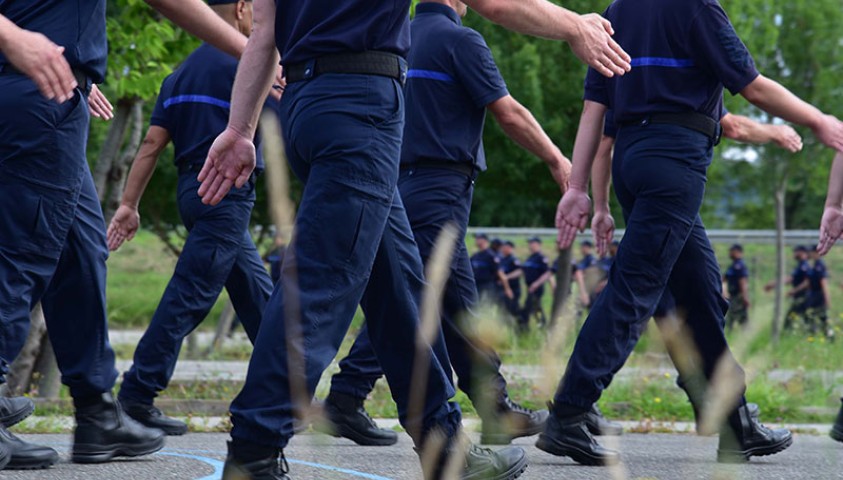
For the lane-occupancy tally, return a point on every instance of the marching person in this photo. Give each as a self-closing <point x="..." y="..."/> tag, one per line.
<point x="668" y="109"/>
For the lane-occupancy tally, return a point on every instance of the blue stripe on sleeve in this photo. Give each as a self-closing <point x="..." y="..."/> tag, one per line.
<point x="196" y="99"/>
<point x="662" y="62"/>
<point x="430" y="75"/>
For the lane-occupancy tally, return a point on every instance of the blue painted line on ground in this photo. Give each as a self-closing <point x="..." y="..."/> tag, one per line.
<point x="217" y="465"/>
<point x="218" y="471"/>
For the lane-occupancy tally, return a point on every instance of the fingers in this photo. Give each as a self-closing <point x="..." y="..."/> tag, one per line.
<point x="208" y="177"/>
<point x="99" y="105"/>
<point x="222" y="191"/>
<point x="58" y="70"/>
<point x="244" y="177"/>
<point x="607" y="25"/>
<point x="567" y="234"/>
<point x="206" y="169"/>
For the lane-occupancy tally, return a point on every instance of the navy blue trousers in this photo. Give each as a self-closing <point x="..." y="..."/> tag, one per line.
<point x="434" y="198"/>
<point x="352" y="245"/>
<point x="219" y="253"/>
<point x="52" y="235"/>
<point x="659" y="176"/>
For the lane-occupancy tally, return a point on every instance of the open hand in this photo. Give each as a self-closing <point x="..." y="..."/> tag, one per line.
<point x="603" y="230"/>
<point x="830" y="132"/>
<point x="230" y="162"/>
<point x="43" y="61"/>
<point x="99" y="105"/>
<point x="831" y="229"/>
<point x="123" y="227"/>
<point x="593" y="44"/>
<point x="572" y="216"/>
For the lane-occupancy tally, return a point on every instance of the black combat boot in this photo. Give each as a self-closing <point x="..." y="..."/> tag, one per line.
<point x="743" y="436"/>
<point x="479" y="464"/>
<point x="14" y="410"/>
<point x="568" y="436"/>
<point x="104" y="431"/>
<point x="150" y="416"/>
<point x="598" y="424"/>
<point x="837" y="429"/>
<point x="511" y="421"/>
<point x="26" y="456"/>
<point x="248" y="461"/>
<point x="345" y="416"/>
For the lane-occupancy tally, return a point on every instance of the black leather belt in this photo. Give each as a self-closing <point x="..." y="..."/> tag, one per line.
<point x="382" y="64"/>
<point x="466" y="169"/>
<point x="692" y="120"/>
<point x="81" y="77"/>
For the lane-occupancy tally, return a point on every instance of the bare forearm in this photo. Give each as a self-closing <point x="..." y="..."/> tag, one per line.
<point x="539" y="18"/>
<point x="251" y="86"/>
<point x="745" y="288"/>
<point x="601" y="173"/>
<point x="198" y="19"/>
<point x="142" y="169"/>
<point x="588" y="140"/>
<point x="7" y="32"/>
<point x="522" y="127"/>
<point x="835" y="183"/>
<point x="745" y="130"/>
<point x="777" y="100"/>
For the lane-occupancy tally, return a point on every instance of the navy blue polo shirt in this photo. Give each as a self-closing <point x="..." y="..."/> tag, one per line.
<point x="683" y="53"/>
<point x="815" y="276"/>
<point x="799" y="275"/>
<point x="606" y="263"/>
<point x="509" y="264"/>
<point x="485" y="265"/>
<point x="736" y="271"/>
<point x="194" y="102"/>
<point x="78" y="26"/>
<point x="308" y="29"/>
<point x="587" y="262"/>
<point x="534" y="267"/>
<point x="452" y="77"/>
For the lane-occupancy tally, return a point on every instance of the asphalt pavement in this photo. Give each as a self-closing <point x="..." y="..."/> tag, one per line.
<point x="311" y="456"/>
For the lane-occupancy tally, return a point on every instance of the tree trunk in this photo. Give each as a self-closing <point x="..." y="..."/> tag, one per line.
<point x="111" y="146"/>
<point x="116" y="177"/>
<point x="563" y="284"/>
<point x="20" y="378"/>
<point x="223" y="327"/>
<point x="779" y="196"/>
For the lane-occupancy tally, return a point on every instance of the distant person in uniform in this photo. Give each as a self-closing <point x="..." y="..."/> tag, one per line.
<point x="511" y="266"/>
<point x="736" y="282"/>
<point x="669" y="110"/>
<point x="488" y="274"/>
<point x="275" y="258"/>
<point x="800" y="287"/>
<point x="605" y="264"/>
<point x="587" y="274"/>
<point x="534" y="270"/>
<point x="818" y="298"/>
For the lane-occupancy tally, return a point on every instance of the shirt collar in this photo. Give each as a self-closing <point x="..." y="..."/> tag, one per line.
<point x="430" y="7"/>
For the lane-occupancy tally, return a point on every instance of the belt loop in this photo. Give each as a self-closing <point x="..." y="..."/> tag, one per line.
<point x="718" y="134"/>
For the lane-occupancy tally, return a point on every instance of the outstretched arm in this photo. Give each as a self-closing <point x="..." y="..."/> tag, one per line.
<point x="775" y="99"/>
<point x="197" y="18"/>
<point x="746" y="130"/>
<point x="126" y="221"/>
<point x="231" y="159"/>
<point x="521" y="126"/>
<point x="590" y="36"/>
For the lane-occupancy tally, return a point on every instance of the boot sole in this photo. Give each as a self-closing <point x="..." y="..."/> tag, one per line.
<point x="342" y="431"/>
<point x="743" y="456"/>
<point x="836" y="433"/>
<point x="18" y="417"/>
<point x="99" y="454"/>
<point x="33" y="464"/>
<point x="561" y="449"/>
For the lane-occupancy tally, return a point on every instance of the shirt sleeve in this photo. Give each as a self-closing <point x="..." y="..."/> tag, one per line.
<point x="717" y="47"/>
<point x="596" y="87"/>
<point x="477" y="71"/>
<point x="159" y="113"/>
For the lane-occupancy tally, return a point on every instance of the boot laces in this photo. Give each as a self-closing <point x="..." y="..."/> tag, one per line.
<point x="518" y="408"/>
<point x="282" y="466"/>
